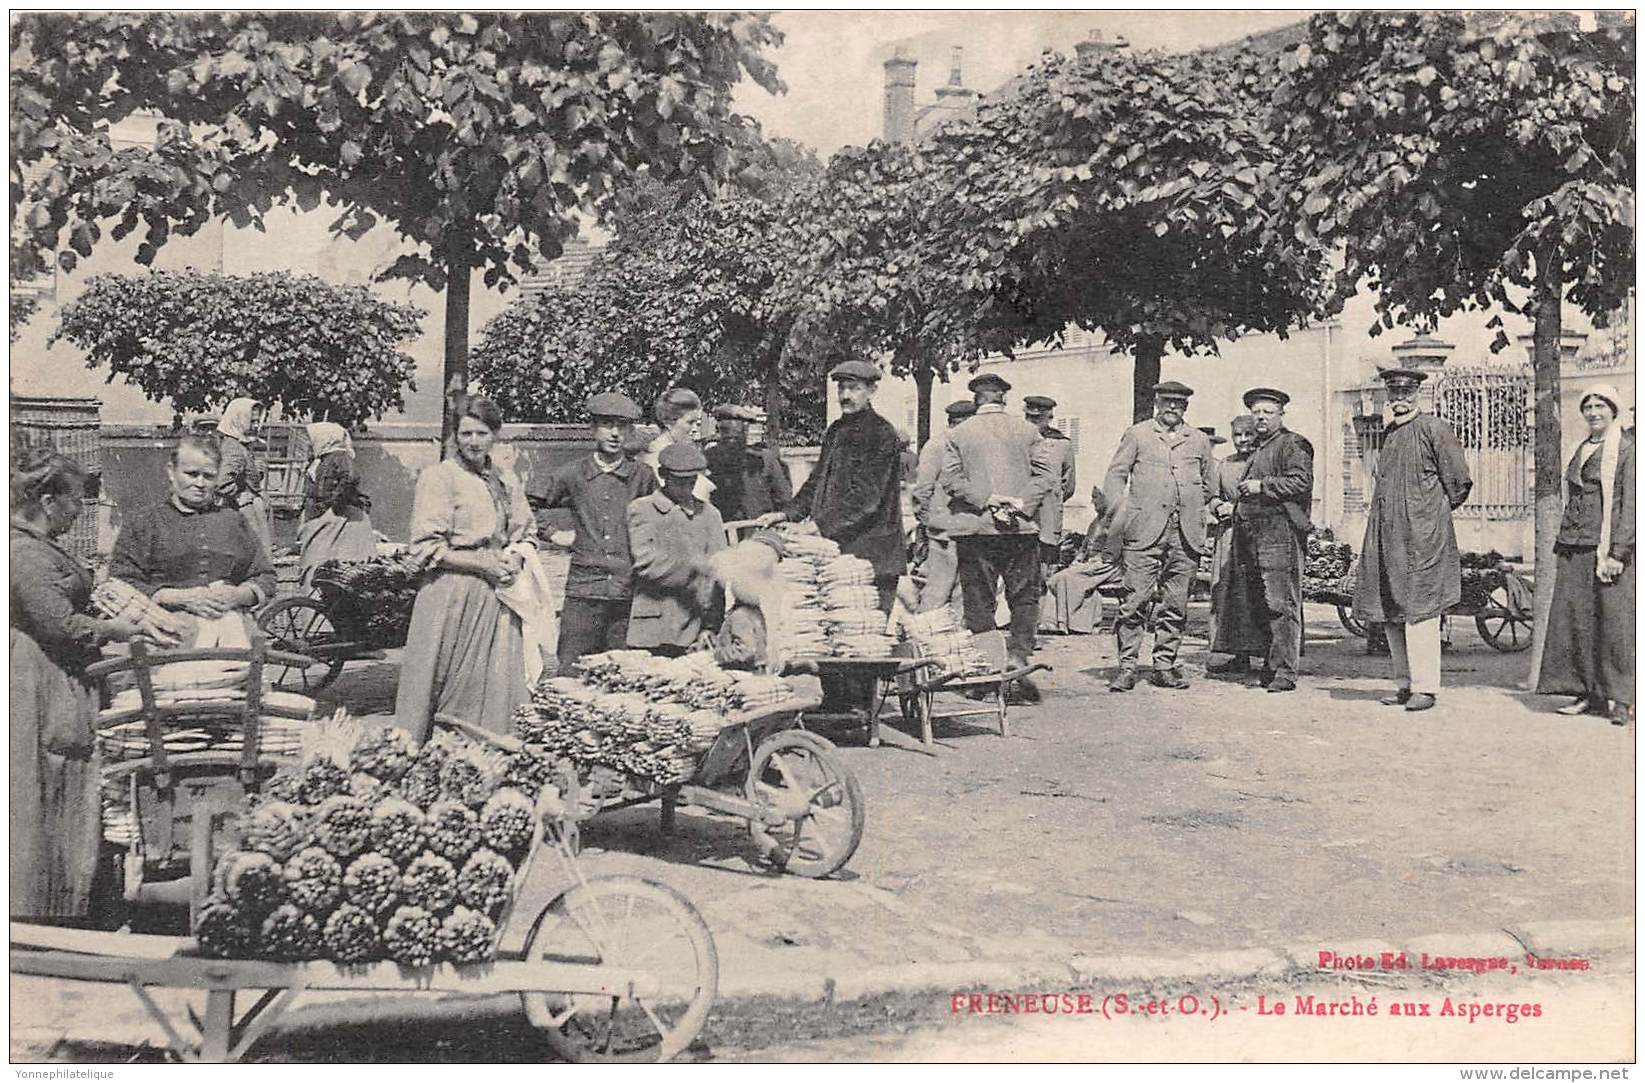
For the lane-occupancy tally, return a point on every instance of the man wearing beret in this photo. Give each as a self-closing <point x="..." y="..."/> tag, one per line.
<point x="854" y="493"/>
<point x="748" y="481"/>
<point x="996" y="472"/>
<point x="1161" y="474"/>
<point x="597" y="489"/>
<point x="1271" y="523"/>
<point x="1410" y="571"/>
<point x="930" y="500"/>
<point x="1059" y="452"/>
<point x="674" y="535"/>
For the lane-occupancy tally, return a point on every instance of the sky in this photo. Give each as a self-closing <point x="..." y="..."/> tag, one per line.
<point x="832" y="60"/>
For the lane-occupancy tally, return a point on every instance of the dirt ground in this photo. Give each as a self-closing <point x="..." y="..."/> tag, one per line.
<point x="1157" y="823"/>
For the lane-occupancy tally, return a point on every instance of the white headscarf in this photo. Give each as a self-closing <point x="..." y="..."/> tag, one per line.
<point x="324" y="437"/>
<point x="1610" y="449"/>
<point x="236" y="421"/>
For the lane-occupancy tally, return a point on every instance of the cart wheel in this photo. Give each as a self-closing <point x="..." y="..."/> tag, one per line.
<point x="1502" y="624"/>
<point x="801" y="773"/>
<point x="1346" y="615"/>
<point x="624" y="921"/>
<point x="298" y="625"/>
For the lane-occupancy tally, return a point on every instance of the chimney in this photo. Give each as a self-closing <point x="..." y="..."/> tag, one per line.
<point x="956" y="88"/>
<point x="1095" y="46"/>
<point x="899" y="97"/>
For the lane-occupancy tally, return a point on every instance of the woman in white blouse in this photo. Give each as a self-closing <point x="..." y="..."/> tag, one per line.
<point x="472" y="528"/>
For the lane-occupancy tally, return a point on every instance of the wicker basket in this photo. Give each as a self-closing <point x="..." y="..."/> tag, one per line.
<point x="74" y="428"/>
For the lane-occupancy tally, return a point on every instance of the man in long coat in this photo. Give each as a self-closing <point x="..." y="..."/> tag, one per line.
<point x="1410" y="571"/>
<point x="1271" y="523"/>
<point x="674" y="534"/>
<point x="996" y="473"/>
<point x="1161" y="473"/>
<point x="1040" y="410"/>
<point x="748" y="481"/>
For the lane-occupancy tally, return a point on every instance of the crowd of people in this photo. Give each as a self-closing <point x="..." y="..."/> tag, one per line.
<point x="649" y="567"/>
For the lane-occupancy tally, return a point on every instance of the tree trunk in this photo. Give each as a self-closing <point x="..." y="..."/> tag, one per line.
<point x="1144" y="375"/>
<point x="1547" y="446"/>
<point x="775" y="399"/>
<point x="455" y="378"/>
<point x="923" y="377"/>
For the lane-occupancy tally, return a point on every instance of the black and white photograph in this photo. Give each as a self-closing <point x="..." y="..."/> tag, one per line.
<point x="907" y="536"/>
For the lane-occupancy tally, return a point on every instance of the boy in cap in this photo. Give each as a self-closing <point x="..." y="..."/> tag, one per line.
<point x="1040" y="411"/>
<point x="597" y="490"/>
<point x="930" y="501"/>
<point x="1410" y="571"/>
<point x="749" y="481"/>
<point x="1271" y="524"/>
<point x="1161" y="474"/>
<point x="674" y="536"/>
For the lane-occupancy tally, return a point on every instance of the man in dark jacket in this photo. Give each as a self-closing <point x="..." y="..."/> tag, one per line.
<point x="749" y="481"/>
<point x="598" y="488"/>
<point x="854" y="494"/>
<point x="1271" y="521"/>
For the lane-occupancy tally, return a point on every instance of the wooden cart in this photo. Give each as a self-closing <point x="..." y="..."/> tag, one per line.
<point x="803" y="806"/>
<point x="608" y="968"/>
<point x="332" y="626"/>
<point x="1504" y="620"/>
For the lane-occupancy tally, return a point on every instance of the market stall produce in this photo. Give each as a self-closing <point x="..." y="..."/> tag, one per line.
<point x="303" y="894"/>
<point x="633" y="727"/>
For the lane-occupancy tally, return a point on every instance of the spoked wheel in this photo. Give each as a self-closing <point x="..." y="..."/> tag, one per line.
<point x="627" y="922"/>
<point x="1345" y="614"/>
<point x="300" y="625"/>
<point x="1502" y="624"/>
<point x="801" y="775"/>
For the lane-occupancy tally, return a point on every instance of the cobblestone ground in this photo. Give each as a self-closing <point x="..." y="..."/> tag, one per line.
<point x="1162" y="823"/>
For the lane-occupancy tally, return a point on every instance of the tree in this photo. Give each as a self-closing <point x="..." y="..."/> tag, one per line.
<point x="686" y="293"/>
<point x="875" y="269"/>
<point x="1128" y="196"/>
<point x="478" y="136"/>
<point x="199" y="340"/>
<point x="1464" y="163"/>
<point x="25" y="264"/>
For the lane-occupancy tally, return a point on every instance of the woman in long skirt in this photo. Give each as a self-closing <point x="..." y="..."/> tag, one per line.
<point x="240" y="481"/>
<point x="336" y="525"/>
<point x="55" y="815"/>
<point x="1589" y="650"/>
<point x="471" y="526"/>
<point x="1234" y="629"/>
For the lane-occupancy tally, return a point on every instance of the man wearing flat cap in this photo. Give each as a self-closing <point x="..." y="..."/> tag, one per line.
<point x="1410" y="571"/>
<point x="1271" y="524"/>
<point x="1059" y="453"/>
<point x="1161" y="475"/>
<point x="674" y="535"/>
<point x="748" y="481"/>
<point x="854" y="495"/>
<point x="997" y="474"/>
<point x="597" y="489"/>
<point x="930" y="501"/>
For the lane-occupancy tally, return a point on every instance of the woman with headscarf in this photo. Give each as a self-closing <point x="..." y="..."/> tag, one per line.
<point x="55" y="817"/>
<point x="1589" y="650"/>
<point x="1234" y="628"/>
<point x="335" y="525"/>
<point x="240" y="483"/>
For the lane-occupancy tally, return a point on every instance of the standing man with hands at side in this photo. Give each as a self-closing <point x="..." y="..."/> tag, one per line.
<point x="598" y="489"/>
<point x="1271" y="522"/>
<point x="930" y="499"/>
<point x="1163" y="469"/>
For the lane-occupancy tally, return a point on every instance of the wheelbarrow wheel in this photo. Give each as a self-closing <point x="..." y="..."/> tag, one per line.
<point x="1345" y="614"/>
<point x="299" y="625"/>
<point x="1502" y="624"/>
<point x="800" y="774"/>
<point x="630" y="923"/>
